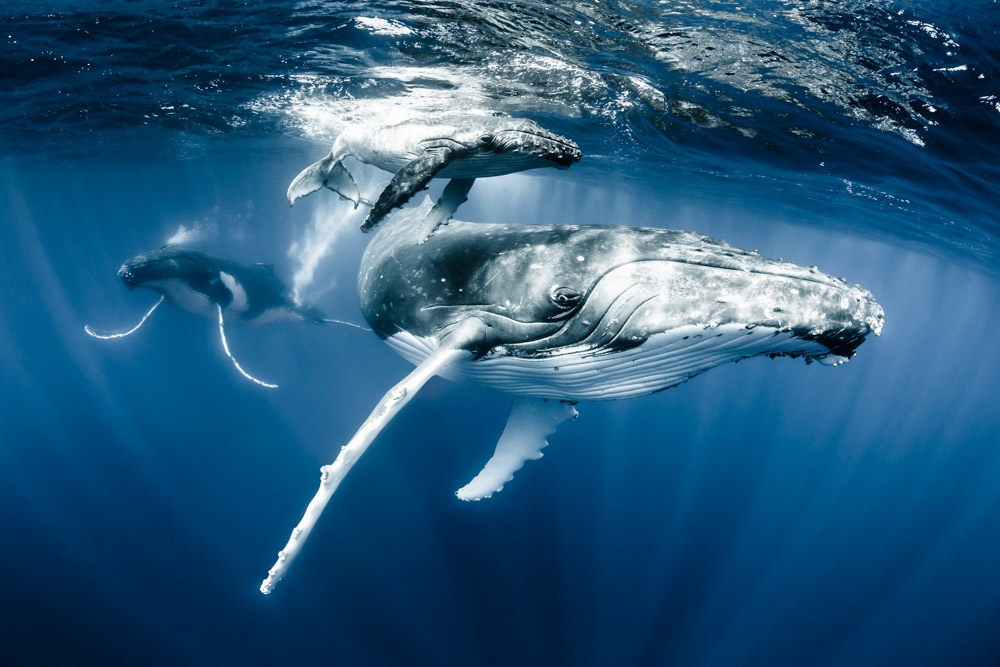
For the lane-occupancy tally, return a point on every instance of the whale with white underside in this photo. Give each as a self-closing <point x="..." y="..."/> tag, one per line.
<point x="461" y="147"/>
<point x="556" y="314"/>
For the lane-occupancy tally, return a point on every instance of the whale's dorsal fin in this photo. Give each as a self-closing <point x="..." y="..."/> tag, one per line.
<point x="329" y="172"/>
<point x="407" y="182"/>
<point x="530" y="422"/>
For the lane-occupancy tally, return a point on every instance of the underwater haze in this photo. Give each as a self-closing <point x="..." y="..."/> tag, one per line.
<point x="766" y="512"/>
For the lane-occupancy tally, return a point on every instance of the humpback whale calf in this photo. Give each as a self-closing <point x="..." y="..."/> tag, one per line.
<point x="461" y="148"/>
<point x="556" y="314"/>
<point x="210" y="286"/>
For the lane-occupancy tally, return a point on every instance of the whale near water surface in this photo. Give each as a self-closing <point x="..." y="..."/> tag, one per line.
<point x="461" y="147"/>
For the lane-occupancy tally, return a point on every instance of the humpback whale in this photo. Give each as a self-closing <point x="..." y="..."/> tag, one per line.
<point x="213" y="287"/>
<point x="461" y="148"/>
<point x="553" y="315"/>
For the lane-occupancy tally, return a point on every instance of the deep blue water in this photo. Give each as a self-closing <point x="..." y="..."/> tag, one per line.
<point x="766" y="512"/>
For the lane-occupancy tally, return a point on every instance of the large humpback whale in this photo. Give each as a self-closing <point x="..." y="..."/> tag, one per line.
<point x="213" y="287"/>
<point x="459" y="147"/>
<point x="555" y="314"/>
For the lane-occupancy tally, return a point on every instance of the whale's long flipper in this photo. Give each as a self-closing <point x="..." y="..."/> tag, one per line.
<point x="225" y="346"/>
<point x="330" y="320"/>
<point x="530" y="421"/>
<point x="408" y="181"/>
<point x="455" y="194"/>
<point x="122" y="334"/>
<point x="329" y="172"/>
<point x="452" y="347"/>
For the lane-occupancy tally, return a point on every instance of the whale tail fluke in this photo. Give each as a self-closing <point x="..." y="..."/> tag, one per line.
<point x="329" y="172"/>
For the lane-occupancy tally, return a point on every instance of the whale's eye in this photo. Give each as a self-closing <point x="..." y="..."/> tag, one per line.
<point x="565" y="297"/>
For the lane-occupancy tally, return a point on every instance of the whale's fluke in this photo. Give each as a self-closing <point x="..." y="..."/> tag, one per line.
<point x="453" y="347"/>
<point x="530" y="422"/>
<point x="329" y="172"/>
<point x="122" y="334"/>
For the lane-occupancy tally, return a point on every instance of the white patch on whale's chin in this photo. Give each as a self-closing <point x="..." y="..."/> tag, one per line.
<point x="581" y="373"/>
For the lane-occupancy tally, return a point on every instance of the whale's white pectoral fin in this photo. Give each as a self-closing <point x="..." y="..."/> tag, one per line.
<point x="122" y="334"/>
<point x="328" y="172"/>
<point x="407" y="182"/>
<point x="225" y="346"/>
<point x="530" y="422"/>
<point x="452" y="347"/>
<point x="455" y="194"/>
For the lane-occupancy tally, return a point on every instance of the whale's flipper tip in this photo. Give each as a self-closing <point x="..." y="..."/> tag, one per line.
<point x="530" y="422"/>
<point x="329" y="173"/>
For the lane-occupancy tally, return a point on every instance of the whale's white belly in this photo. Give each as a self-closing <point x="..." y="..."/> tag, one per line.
<point x="182" y="296"/>
<point x="581" y="373"/>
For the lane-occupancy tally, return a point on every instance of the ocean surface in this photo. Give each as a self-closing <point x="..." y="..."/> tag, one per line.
<point x="767" y="512"/>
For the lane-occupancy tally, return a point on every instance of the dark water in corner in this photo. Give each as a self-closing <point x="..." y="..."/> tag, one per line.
<point x="764" y="513"/>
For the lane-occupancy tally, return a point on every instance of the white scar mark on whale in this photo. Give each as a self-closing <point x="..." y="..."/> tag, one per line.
<point x="225" y="346"/>
<point x="122" y="334"/>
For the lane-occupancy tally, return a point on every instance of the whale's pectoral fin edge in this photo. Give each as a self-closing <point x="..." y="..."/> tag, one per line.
<point x="454" y="195"/>
<point x="530" y="422"/>
<point x="225" y="346"/>
<point x="328" y="172"/>
<point x="122" y="334"/>
<point x="407" y="182"/>
<point x="453" y="346"/>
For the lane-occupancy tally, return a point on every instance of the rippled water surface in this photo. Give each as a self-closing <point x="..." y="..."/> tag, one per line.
<point x="767" y="512"/>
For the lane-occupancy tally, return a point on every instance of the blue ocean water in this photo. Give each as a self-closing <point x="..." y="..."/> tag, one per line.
<point x="766" y="512"/>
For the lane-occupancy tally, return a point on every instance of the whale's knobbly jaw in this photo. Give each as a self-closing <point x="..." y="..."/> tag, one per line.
<point x="543" y="144"/>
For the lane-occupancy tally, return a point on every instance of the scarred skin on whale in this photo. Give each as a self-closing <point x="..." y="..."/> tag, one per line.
<point x="459" y="147"/>
<point x="556" y="314"/>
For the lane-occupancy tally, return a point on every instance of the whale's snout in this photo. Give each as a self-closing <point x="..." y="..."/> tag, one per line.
<point x="128" y="276"/>
<point x="788" y="312"/>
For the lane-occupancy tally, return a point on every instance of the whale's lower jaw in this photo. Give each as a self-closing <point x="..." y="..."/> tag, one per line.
<point x="586" y="374"/>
